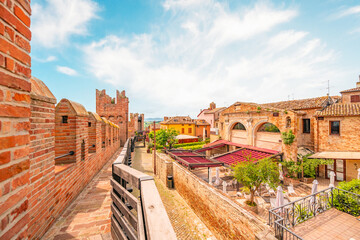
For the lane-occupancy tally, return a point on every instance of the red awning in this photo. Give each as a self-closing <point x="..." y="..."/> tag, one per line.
<point x="242" y="155"/>
<point x="193" y="160"/>
<point x="218" y="143"/>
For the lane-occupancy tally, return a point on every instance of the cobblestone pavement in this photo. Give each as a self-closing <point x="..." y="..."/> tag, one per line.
<point x="185" y="222"/>
<point x="88" y="216"/>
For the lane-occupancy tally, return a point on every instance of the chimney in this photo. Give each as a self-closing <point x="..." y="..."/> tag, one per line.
<point x="166" y="118"/>
<point x="212" y="106"/>
<point x="358" y="83"/>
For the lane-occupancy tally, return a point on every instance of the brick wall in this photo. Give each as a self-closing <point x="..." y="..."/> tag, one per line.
<point x="115" y="110"/>
<point x="42" y="168"/>
<point x="224" y="218"/>
<point x="15" y="100"/>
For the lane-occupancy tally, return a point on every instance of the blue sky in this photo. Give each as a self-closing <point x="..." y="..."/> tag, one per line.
<point x="174" y="57"/>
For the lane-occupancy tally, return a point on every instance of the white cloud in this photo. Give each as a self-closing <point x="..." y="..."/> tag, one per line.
<point x="208" y="52"/>
<point x="66" y="70"/>
<point x="45" y="60"/>
<point x="349" y="11"/>
<point x="56" y="21"/>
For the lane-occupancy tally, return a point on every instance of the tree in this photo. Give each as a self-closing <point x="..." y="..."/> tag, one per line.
<point x="253" y="173"/>
<point x="310" y="165"/>
<point x="165" y="137"/>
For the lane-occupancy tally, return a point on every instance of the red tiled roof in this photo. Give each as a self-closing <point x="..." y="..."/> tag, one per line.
<point x="178" y="120"/>
<point x="299" y="104"/>
<point x="340" y="109"/>
<point x="192" y="160"/>
<point x="242" y="155"/>
<point x="218" y="142"/>
<point x="357" y="89"/>
<point x="215" y="110"/>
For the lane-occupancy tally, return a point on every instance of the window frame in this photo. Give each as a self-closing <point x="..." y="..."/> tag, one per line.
<point x="331" y="129"/>
<point x="303" y="125"/>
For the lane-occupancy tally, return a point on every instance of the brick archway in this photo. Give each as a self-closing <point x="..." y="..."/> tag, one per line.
<point x="266" y="140"/>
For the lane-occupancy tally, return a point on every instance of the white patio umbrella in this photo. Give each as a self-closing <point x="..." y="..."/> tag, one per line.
<point x="210" y="176"/>
<point x="332" y="179"/>
<point x="279" y="197"/>
<point x="217" y="180"/>
<point x="224" y="186"/>
<point x="358" y="173"/>
<point x="281" y="174"/>
<point x="314" y="190"/>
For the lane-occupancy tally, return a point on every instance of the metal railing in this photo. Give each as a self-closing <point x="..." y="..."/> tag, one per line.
<point x="137" y="209"/>
<point x="285" y="217"/>
<point x="66" y="154"/>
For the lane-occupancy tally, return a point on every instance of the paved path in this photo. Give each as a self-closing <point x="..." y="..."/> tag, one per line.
<point x="185" y="222"/>
<point x="88" y="217"/>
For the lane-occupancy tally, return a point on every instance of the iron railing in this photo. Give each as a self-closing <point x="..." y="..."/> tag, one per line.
<point x="66" y="154"/>
<point x="287" y="216"/>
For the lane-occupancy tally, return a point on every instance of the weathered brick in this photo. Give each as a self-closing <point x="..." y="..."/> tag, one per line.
<point x="22" y="16"/>
<point x="13" y="141"/>
<point x="2" y="28"/>
<point x="9" y="63"/>
<point x="5" y="157"/>
<point x="15" y="52"/>
<point x="7" y="110"/>
<point x="9" y="33"/>
<point x="13" y="21"/>
<point x="8" y="172"/>
<point x="14" y="82"/>
<point x="21" y="42"/>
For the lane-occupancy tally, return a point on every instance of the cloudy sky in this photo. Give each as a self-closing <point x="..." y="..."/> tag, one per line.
<point x="173" y="57"/>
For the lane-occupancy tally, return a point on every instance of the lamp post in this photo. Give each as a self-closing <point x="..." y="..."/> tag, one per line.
<point x="154" y="149"/>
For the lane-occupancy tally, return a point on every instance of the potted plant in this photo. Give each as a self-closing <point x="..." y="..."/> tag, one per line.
<point x="293" y="169"/>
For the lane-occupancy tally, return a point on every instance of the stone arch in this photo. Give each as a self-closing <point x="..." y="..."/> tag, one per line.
<point x="238" y="136"/>
<point x="269" y="140"/>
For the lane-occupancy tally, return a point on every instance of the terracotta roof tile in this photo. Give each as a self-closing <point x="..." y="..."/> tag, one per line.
<point x="341" y="109"/>
<point x="179" y="120"/>
<point x="357" y="89"/>
<point x="215" y="110"/>
<point x="318" y="102"/>
<point x="201" y="122"/>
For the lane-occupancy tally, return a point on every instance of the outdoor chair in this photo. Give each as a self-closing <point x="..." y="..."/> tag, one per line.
<point x="270" y="190"/>
<point x="291" y="190"/>
<point x="239" y="194"/>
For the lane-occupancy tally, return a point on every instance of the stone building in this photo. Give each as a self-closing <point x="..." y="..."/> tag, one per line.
<point x="211" y="115"/>
<point x="337" y="135"/>
<point x="115" y="110"/>
<point x="136" y="123"/>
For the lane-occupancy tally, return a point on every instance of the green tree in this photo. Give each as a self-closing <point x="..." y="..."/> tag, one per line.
<point x="165" y="137"/>
<point x="310" y="165"/>
<point x="253" y="173"/>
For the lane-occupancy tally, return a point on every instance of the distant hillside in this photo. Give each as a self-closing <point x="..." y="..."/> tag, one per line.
<point x="153" y="119"/>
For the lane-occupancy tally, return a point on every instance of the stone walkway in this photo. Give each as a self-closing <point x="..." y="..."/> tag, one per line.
<point x="186" y="223"/>
<point x="88" y="216"/>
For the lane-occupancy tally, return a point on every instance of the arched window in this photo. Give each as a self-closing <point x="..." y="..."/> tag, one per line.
<point x="239" y="126"/>
<point x="268" y="127"/>
<point x="288" y="122"/>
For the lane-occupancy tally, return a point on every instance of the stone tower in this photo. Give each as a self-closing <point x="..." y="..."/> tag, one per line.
<point x="115" y="110"/>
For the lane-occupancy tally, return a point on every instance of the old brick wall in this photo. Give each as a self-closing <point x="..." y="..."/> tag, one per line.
<point x="15" y="73"/>
<point x="115" y="110"/>
<point x="164" y="166"/>
<point x="65" y="133"/>
<point x="92" y="131"/>
<point x="348" y="140"/>
<point x="225" y="218"/>
<point x="252" y="116"/>
<point x="42" y="153"/>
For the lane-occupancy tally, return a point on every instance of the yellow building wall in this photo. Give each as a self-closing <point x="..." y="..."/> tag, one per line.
<point x="179" y="127"/>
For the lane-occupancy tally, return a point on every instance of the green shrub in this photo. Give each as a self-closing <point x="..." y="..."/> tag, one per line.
<point x="195" y="147"/>
<point x="188" y="144"/>
<point x="347" y="202"/>
<point x="288" y="137"/>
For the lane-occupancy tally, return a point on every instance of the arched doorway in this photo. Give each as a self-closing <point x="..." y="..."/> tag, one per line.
<point x="267" y="135"/>
<point x="238" y="133"/>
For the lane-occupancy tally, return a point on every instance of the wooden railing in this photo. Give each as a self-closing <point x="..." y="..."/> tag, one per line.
<point x="137" y="209"/>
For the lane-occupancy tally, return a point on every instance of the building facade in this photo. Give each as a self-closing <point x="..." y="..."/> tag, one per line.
<point x="184" y="125"/>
